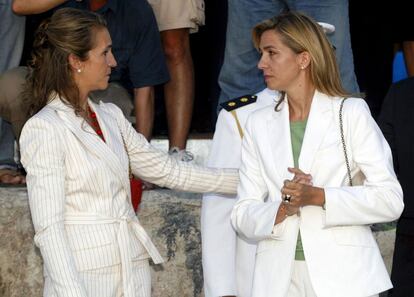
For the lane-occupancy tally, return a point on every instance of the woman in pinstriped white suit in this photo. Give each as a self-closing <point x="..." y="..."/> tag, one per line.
<point x="77" y="155"/>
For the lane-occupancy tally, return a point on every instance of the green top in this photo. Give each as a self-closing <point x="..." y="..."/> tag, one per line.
<point x="297" y="131"/>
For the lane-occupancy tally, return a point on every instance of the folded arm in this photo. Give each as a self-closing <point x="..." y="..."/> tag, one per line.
<point x="252" y="216"/>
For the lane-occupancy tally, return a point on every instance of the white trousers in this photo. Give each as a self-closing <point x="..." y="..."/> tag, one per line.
<point x="107" y="281"/>
<point x="300" y="285"/>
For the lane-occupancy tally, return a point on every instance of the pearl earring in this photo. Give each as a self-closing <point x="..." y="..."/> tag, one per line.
<point x="302" y="67"/>
<point x="79" y="70"/>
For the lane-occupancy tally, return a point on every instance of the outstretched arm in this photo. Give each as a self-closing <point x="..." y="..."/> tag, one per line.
<point x="159" y="168"/>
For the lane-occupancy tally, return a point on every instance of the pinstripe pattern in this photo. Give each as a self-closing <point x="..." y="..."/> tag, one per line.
<point x="79" y="193"/>
<point x="107" y="281"/>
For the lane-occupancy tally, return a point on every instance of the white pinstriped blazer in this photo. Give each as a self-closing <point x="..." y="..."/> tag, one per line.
<point x="79" y="191"/>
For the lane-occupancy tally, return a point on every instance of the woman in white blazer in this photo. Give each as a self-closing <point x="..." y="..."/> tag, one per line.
<point x="78" y="155"/>
<point x="316" y="240"/>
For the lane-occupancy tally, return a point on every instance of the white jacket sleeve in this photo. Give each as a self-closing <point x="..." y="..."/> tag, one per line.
<point x="253" y="216"/>
<point x="43" y="157"/>
<point x="380" y="199"/>
<point x="226" y="146"/>
<point x="159" y="168"/>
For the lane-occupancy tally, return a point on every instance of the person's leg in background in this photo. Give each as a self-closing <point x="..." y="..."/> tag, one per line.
<point x="402" y="30"/>
<point x="373" y="50"/>
<point x="12" y="108"/>
<point x="13" y="116"/>
<point x="179" y="91"/>
<point x="334" y="12"/>
<point x="408" y="50"/>
<point x="12" y="31"/>
<point x="239" y="74"/>
<point x="402" y="274"/>
<point x="9" y="174"/>
<point x="176" y="20"/>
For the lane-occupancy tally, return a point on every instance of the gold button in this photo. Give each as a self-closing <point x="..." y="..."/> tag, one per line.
<point x="231" y="103"/>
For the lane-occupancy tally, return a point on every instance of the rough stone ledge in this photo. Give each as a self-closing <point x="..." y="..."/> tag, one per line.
<point x="170" y="218"/>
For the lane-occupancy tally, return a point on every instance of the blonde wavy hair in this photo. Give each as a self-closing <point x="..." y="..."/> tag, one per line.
<point x="302" y="34"/>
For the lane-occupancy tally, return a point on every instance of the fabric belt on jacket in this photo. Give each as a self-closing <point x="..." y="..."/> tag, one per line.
<point x="123" y="238"/>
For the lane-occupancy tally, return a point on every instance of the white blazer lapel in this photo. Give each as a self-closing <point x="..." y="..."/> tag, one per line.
<point x="111" y="132"/>
<point x="280" y="141"/>
<point x="92" y="141"/>
<point x="319" y="121"/>
<point x="113" y="137"/>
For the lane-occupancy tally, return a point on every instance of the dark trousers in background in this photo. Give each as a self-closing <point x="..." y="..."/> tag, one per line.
<point x="402" y="275"/>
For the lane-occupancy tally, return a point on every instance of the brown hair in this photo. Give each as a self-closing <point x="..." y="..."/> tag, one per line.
<point x="67" y="31"/>
<point x="301" y="34"/>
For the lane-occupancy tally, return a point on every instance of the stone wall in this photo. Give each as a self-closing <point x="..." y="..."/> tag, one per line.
<point x="20" y="262"/>
<point x="171" y="219"/>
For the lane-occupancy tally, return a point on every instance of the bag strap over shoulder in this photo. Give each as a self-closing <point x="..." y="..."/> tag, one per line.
<point x="341" y="127"/>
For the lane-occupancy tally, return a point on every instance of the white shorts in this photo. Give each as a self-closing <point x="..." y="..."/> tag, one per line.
<point x="178" y="14"/>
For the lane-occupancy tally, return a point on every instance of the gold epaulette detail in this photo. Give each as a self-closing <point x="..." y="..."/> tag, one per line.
<point x="238" y="102"/>
<point x="233" y="104"/>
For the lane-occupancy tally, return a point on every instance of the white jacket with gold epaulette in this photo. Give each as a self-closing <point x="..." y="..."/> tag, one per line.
<point x="227" y="259"/>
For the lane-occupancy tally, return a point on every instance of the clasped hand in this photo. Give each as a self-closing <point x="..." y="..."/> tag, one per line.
<point x="297" y="193"/>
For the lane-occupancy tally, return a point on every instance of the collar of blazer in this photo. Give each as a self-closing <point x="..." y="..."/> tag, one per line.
<point x="112" y="151"/>
<point x="278" y="129"/>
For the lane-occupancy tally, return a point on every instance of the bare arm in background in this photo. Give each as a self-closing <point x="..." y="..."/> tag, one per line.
<point x="25" y="7"/>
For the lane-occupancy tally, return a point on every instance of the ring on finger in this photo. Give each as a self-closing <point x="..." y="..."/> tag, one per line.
<point x="286" y="198"/>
